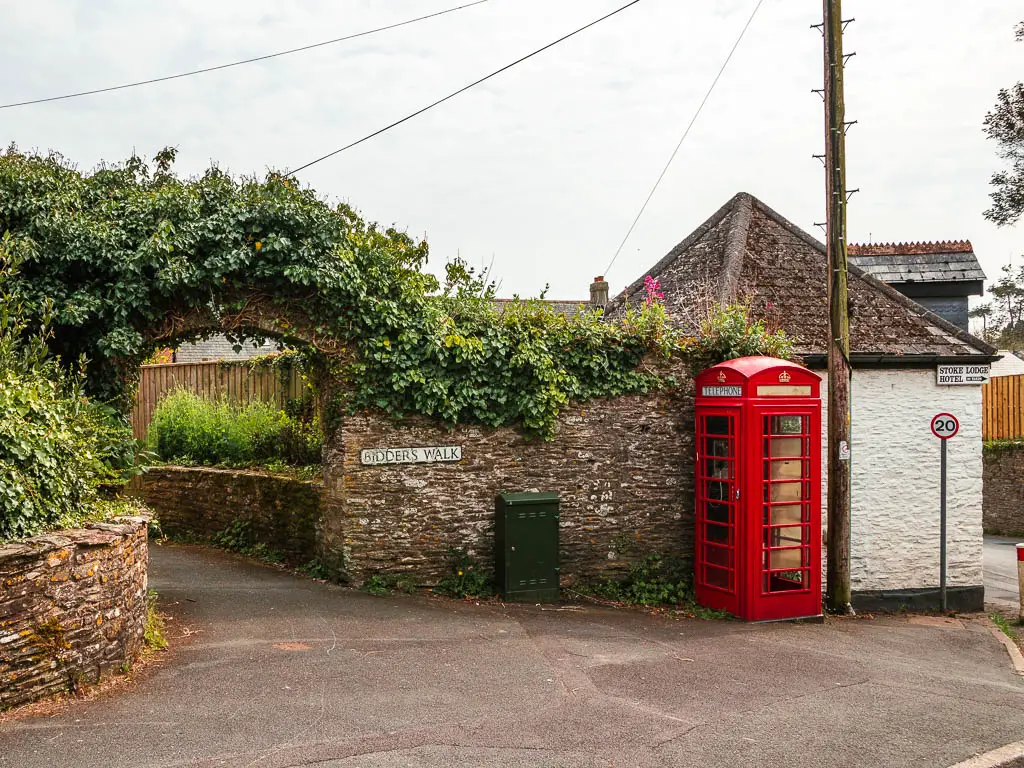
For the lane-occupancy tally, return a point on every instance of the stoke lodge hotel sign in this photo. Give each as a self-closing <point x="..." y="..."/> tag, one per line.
<point x="953" y="375"/>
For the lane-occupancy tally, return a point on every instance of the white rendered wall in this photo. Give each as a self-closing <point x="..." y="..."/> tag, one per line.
<point x="895" y="485"/>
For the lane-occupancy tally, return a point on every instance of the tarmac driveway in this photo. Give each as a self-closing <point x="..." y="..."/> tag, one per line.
<point x="1001" y="574"/>
<point x="283" y="671"/>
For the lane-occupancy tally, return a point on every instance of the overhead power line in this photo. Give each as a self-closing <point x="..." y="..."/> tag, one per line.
<point x="244" y="61"/>
<point x="685" y="134"/>
<point x="461" y="90"/>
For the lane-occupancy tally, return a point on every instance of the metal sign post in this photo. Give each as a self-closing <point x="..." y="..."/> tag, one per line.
<point x="944" y="426"/>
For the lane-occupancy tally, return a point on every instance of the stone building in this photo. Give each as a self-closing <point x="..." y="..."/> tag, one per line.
<point x="748" y="252"/>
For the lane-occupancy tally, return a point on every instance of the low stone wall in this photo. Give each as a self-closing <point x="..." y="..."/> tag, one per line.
<point x="623" y="468"/>
<point x="72" y="607"/>
<point x="281" y="512"/>
<point x="1003" y="493"/>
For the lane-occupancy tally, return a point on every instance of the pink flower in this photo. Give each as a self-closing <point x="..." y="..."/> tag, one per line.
<point x="652" y="288"/>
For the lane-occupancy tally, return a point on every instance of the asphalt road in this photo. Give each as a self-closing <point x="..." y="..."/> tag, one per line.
<point x="1001" y="573"/>
<point x="281" y="671"/>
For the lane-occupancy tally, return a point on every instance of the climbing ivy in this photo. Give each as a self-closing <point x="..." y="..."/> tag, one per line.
<point x="118" y="250"/>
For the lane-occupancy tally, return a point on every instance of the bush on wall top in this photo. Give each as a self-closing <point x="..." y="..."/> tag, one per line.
<point x="56" y="447"/>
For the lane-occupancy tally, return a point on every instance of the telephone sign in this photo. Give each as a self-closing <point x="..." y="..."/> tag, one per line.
<point x="945" y="426"/>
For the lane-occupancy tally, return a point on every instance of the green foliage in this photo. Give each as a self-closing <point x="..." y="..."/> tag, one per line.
<point x="119" y="250"/>
<point x="380" y="584"/>
<point x="1004" y="625"/>
<point x="652" y="581"/>
<point x="994" y="447"/>
<point x="153" y="632"/>
<point x="189" y="429"/>
<point x="1005" y="125"/>
<point x="58" y="450"/>
<point x="314" y="569"/>
<point x="239" y="537"/>
<point x="466" y="578"/>
<point x="732" y="332"/>
<point x="1002" y="316"/>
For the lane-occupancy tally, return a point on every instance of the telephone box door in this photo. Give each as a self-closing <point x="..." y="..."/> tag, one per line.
<point x="718" y="518"/>
<point x="787" y="582"/>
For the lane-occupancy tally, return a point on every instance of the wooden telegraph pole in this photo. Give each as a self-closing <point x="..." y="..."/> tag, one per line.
<point x="837" y="589"/>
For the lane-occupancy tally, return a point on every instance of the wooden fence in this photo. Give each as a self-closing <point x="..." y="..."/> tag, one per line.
<point x="236" y="382"/>
<point x="1003" y="408"/>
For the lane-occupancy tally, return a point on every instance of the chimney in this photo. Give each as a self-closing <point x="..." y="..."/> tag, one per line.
<point x="599" y="291"/>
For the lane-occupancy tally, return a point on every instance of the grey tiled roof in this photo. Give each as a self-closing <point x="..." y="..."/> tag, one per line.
<point x="918" y="262"/>
<point x="748" y="252"/>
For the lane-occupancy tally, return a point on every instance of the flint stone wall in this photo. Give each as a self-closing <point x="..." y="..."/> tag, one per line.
<point x="282" y="512"/>
<point x="72" y="607"/>
<point x="1003" y="494"/>
<point x="622" y="466"/>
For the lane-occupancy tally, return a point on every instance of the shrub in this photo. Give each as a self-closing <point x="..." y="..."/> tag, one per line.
<point x="190" y="429"/>
<point x="466" y="578"/>
<point x="653" y="581"/>
<point x="239" y="537"/>
<point x="380" y="584"/>
<point x="57" y="449"/>
<point x="731" y="332"/>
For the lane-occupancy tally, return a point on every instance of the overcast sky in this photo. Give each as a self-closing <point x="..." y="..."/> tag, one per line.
<point x="544" y="167"/>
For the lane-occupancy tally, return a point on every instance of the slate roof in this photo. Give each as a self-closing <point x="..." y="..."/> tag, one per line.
<point x="918" y="262"/>
<point x="747" y="251"/>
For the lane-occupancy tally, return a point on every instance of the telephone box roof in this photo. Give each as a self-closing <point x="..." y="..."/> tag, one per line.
<point x="748" y="367"/>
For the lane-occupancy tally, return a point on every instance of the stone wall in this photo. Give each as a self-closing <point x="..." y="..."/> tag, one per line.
<point x="623" y="467"/>
<point x="281" y="512"/>
<point x="72" y="607"/>
<point x="1004" y="491"/>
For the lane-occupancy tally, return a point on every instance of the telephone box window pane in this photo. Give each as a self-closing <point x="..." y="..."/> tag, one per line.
<point x="719" y="469"/>
<point x="717" y="446"/>
<point x="787" y="447"/>
<point x="786" y="425"/>
<point x="786" y="581"/>
<point x="719" y="556"/>
<point x="790" y="536"/>
<point x="717" y="577"/>
<point x="717" y="533"/>
<point x="717" y="490"/>
<point x="786" y="492"/>
<point x="786" y="514"/>
<point x="716" y="425"/>
<point x="719" y="513"/>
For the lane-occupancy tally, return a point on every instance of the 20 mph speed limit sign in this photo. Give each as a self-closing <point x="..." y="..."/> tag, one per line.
<point x="945" y="426"/>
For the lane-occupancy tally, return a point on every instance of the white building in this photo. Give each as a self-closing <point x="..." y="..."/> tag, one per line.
<point x="747" y="252"/>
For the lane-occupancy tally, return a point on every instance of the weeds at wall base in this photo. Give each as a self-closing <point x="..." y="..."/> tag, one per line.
<point x="380" y="584"/>
<point x="153" y="632"/>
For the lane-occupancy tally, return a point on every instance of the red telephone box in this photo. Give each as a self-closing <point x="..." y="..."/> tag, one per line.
<point x="759" y="489"/>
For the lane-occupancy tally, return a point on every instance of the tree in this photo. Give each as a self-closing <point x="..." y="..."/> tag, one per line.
<point x="1002" y="317"/>
<point x="1005" y="124"/>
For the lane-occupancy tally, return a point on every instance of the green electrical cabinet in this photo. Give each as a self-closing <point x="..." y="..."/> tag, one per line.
<point x="526" y="537"/>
